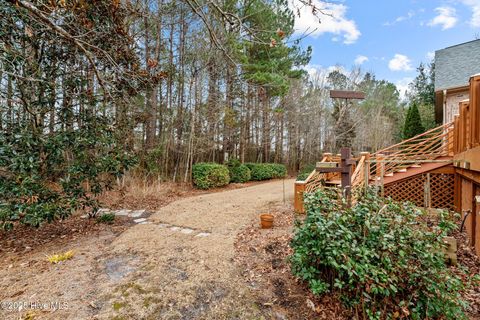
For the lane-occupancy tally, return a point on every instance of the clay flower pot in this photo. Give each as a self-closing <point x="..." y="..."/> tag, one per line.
<point x="266" y="221"/>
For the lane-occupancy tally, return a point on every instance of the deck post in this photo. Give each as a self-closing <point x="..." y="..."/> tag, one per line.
<point x="298" y="199"/>
<point x="345" y="169"/>
<point x="427" y="196"/>
<point x="380" y="172"/>
<point x="366" y="168"/>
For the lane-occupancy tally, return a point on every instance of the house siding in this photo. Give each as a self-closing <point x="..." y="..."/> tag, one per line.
<point x="452" y="103"/>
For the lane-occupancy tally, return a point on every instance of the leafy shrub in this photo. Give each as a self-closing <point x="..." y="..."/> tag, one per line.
<point x="210" y="175"/>
<point x="265" y="171"/>
<point x="152" y="160"/>
<point x="305" y="172"/>
<point x="46" y="177"/>
<point x="383" y="260"/>
<point x="239" y="173"/>
<point x="260" y="171"/>
<point x="280" y="171"/>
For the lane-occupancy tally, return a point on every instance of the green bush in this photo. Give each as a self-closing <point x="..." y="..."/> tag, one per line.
<point x="210" y="175"/>
<point x="280" y="171"/>
<point x="380" y="256"/>
<point x="260" y="171"/>
<point x="239" y="173"/>
<point x="45" y="177"/>
<point x="305" y="172"/>
<point x="265" y="171"/>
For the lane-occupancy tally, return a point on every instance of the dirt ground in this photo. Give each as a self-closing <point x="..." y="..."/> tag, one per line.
<point x="143" y="271"/>
<point x="200" y="255"/>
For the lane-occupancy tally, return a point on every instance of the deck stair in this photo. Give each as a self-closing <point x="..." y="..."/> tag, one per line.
<point x="402" y="170"/>
<point x="423" y="153"/>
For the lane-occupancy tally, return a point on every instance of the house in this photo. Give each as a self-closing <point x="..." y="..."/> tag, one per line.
<point x="453" y="68"/>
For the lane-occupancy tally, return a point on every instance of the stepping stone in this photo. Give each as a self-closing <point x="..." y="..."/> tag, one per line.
<point x="186" y="231"/>
<point x="140" y="220"/>
<point x="174" y="228"/>
<point x="123" y="212"/>
<point x="203" y="234"/>
<point x="163" y="225"/>
<point x="103" y="211"/>
<point x="136" y="213"/>
<point x="145" y="222"/>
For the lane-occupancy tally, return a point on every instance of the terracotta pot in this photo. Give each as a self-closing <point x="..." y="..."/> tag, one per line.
<point x="266" y="221"/>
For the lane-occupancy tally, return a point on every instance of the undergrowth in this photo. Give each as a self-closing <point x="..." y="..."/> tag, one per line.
<point x="107" y="218"/>
<point x="380" y="256"/>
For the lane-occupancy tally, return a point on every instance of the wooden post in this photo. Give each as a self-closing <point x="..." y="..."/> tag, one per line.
<point x="298" y="199"/>
<point x="366" y="168"/>
<point x="475" y="110"/>
<point x="380" y="172"/>
<point x="426" y="197"/>
<point x="345" y="164"/>
<point x="345" y="169"/>
<point x="380" y="157"/>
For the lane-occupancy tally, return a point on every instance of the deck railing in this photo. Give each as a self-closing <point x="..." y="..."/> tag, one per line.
<point x="430" y="145"/>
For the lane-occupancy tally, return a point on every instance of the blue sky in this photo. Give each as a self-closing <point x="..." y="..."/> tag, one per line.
<point x="388" y="37"/>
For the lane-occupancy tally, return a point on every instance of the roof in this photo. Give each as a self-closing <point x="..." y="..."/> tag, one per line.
<point x="456" y="64"/>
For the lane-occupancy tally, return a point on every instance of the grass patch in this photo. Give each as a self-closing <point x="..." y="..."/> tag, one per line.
<point x="107" y="218"/>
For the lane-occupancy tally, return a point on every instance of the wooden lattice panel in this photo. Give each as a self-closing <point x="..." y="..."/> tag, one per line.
<point x="412" y="189"/>
<point x="442" y="190"/>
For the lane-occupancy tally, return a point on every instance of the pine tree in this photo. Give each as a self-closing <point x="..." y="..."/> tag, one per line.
<point x="413" y="123"/>
<point x="422" y="92"/>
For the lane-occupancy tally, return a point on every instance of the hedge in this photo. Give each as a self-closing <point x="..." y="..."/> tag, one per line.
<point x="239" y="173"/>
<point x="265" y="171"/>
<point x="210" y="175"/>
<point x="305" y="172"/>
<point x="280" y="171"/>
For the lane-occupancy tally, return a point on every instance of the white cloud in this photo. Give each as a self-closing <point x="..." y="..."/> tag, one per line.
<point x="475" y="7"/>
<point x="408" y="16"/>
<point x="334" y="21"/>
<point x="316" y="70"/>
<point x="446" y="18"/>
<point x="430" y="55"/>
<point x="359" y="60"/>
<point x="400" y="62"/>
<point x="402" y="86"/>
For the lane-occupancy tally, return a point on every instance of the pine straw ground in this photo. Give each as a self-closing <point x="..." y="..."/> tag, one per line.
<point x="264" y="256"/>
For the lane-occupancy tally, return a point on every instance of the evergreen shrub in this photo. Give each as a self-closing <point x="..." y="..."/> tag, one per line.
<point x="210" y="175"/>
<point x="381" y="257"/>
<point x="239" y="173"/>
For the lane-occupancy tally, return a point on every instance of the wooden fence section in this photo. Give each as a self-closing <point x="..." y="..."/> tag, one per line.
<point x="317" y="180"/>
<point x="467" y="162"/>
